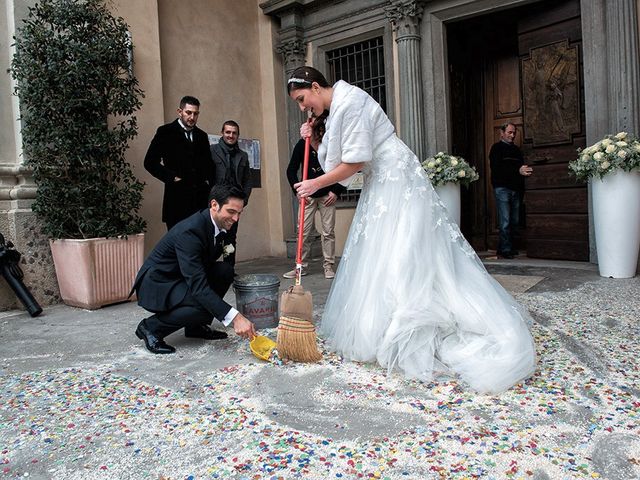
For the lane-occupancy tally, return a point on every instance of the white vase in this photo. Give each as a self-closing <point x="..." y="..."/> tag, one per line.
<point x="449" y="194"/>
<point x="616" y="218"/>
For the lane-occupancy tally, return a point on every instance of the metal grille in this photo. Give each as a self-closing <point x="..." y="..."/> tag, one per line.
<point x="360" y="64"/>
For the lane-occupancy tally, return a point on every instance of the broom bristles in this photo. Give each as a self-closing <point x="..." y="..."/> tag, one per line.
<point x="297" y="340"/>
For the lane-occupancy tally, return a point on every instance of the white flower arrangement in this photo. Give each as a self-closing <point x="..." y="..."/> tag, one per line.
<point x="227" y="250"/>
<point x="619" y="151"/>
<point x="443" y="168"/>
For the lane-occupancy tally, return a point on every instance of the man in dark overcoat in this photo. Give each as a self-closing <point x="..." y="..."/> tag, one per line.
<point x="180" y="157"/>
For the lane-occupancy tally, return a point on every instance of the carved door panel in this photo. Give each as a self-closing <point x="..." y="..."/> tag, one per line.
<point x="549" y="48"/>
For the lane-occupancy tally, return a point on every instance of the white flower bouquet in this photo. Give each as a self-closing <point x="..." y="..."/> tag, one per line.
<point x="619" y="151"/>
<point x="443" y="168"/>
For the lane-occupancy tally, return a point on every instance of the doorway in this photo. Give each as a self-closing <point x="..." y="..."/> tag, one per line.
<point x="522" y="66"/>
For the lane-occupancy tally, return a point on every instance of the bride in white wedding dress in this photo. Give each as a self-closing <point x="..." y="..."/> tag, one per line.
<point x="410" y="292"/>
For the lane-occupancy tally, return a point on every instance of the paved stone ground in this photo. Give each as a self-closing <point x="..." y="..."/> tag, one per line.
<point x="80" y="397"/>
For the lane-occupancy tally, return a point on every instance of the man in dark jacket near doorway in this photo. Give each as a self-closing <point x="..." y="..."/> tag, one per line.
<point x="508" y="172"/>
<point x="231" y="168"/>
<point x="179" y="156"/>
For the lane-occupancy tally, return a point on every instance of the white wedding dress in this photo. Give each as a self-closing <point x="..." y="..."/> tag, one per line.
<point x="410" y="292"/>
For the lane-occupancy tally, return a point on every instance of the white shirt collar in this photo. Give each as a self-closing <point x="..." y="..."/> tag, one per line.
<point x="215" y="227"/>
<point x="184" y="127"/>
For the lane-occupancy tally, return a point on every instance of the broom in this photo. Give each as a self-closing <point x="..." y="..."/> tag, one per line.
<point x="296" y="332"/>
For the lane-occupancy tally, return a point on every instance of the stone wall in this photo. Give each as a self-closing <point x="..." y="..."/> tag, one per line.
<point x="21" y="227"/>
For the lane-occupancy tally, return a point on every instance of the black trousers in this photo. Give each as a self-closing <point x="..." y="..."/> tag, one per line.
<point x="189" y="313"/>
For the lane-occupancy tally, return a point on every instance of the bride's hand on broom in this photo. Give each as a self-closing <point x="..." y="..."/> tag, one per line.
<point x="243" y="327"/>
<point x="305" y="128"/>
<point x="306" y="188"/>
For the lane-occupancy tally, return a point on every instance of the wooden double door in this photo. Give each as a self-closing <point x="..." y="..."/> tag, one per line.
<point x="523" y="66"/>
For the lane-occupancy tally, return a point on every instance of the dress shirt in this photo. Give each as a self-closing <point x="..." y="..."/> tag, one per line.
<point x="233" y="312"/>
<point x="187" y="131"/>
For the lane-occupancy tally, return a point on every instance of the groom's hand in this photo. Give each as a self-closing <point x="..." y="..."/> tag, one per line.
<point x="243" y="327"/>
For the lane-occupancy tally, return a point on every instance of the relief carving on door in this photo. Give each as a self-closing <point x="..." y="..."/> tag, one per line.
<point x="551" y="94"/>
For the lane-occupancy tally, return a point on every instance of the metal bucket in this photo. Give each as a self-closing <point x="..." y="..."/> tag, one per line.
<point x="257" y="298"/>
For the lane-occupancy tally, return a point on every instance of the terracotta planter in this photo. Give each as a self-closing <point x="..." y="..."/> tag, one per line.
<point x="616" y="218"/>
<point x="97" y="271"/>
<point x="449" y="194"/>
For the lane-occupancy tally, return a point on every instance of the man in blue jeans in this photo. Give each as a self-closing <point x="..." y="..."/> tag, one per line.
<point x="508" y="171"/>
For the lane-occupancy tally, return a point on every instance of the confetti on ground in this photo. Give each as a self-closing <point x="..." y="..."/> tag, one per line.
<point x="577" y="417"/>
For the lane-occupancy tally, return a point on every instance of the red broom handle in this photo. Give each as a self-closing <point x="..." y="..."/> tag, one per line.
<point x="302" y="205"/>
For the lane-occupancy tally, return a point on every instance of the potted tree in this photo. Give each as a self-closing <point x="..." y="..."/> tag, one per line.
<point x="78" y="96"/>
<point x="612" y="166"/>
<point x="446" y="173"/>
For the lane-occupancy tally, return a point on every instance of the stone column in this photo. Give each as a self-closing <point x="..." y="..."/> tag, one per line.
<point x="612" y="78"/>
<point x="405" y="16"/>
<point x="293" y="53"/>
<point x="18" y="224"/>
<point x="621" y="19"/>
<point x="623" y="67"/>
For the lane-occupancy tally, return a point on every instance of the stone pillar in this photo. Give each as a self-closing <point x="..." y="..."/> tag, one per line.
<point x="621" y="19"/>
<point x="612" y="78"/>
<point x="293" y="53"/>
<point x="405" y="16"/>
<point x="18" y="224"/>
<point x="624" y="67"/>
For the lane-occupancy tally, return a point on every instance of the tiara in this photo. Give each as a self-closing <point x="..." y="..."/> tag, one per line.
<point x="297" y="80"/>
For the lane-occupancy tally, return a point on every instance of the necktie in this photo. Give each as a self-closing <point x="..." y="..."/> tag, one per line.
<point x="189" y="135"/>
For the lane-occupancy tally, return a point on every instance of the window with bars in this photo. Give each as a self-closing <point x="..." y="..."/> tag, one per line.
<point x="360" y="64"/>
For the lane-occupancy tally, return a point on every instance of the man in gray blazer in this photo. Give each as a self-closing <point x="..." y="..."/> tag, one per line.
<point x="231" y="168"/>
<point x="182" y="282"/>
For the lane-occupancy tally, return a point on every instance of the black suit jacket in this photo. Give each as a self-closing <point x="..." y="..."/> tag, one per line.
<point x="241" y="173"/>
<point x="181" y="262"/>
<point x="315" y="170"/>
<point x="172" y="155"/>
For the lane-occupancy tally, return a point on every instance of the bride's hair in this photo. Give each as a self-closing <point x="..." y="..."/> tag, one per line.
<point x="303" y="78"/>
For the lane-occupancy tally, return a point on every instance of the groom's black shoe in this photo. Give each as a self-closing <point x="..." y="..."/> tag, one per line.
<point x="203" y="331"/>
<point x="153" y="343"/>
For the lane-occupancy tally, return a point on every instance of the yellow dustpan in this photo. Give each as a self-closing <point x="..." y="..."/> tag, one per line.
<point x="262" y="347"/>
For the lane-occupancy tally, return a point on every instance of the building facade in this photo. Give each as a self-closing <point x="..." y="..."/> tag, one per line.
<point x="447" y="72"/>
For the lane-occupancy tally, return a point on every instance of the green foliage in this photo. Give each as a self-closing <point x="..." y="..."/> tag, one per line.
<point x="77" y="101"/>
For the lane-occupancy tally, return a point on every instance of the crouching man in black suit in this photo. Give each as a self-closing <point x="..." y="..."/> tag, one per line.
<point x="183" y="283"/>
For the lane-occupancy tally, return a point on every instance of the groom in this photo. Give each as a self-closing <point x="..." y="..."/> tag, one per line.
<point x="183" y="283"/>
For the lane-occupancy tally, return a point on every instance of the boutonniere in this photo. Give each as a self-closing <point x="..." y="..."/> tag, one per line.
<point x="227" y="250"/>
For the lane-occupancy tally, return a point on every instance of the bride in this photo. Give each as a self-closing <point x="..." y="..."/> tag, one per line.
<point x="410" y="292"/>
